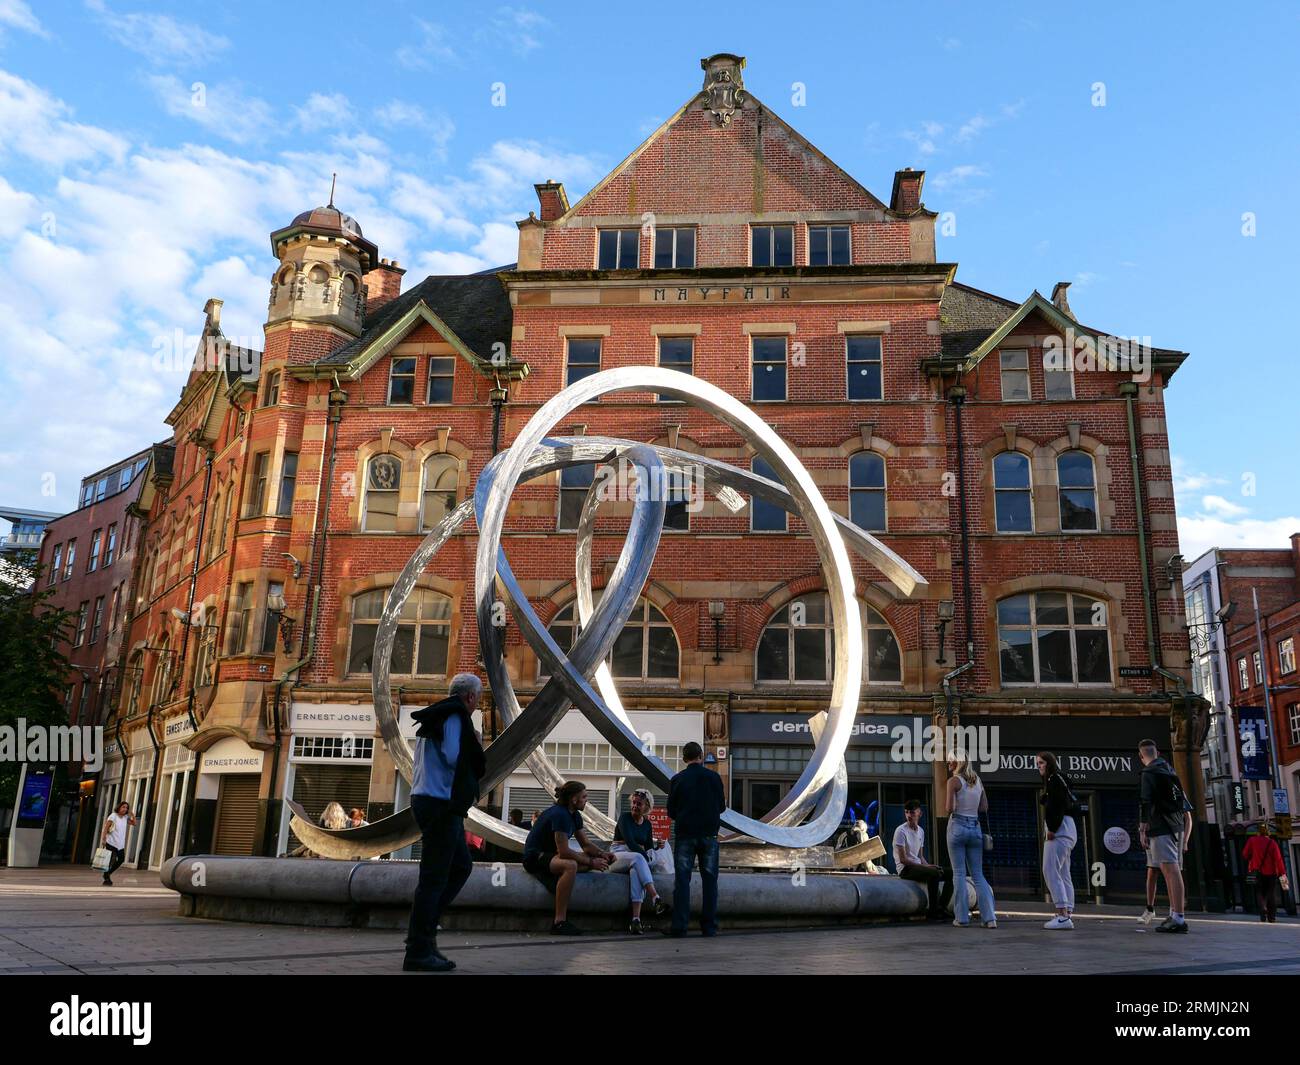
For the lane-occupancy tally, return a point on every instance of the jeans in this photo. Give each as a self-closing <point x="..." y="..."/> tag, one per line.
<point x="638" y="872"/>
<point x="689" y="848"/>
<point x="966" y="849"/>
<point x="444" y="867"/>
<point x="119" y="856"/>
<point x="930" y="875"/>
<point x="1056" y="865"/>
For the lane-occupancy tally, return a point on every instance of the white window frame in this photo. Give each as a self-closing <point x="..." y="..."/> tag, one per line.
<point x="1004" y="369"/>
<point x="1286" y="656"/>
<point x="1028" y="491"/>
<point x="785" y="364"/>
<point x="600" y="355"/>
<point x="1060" y="490"/>
<point x="393" y="375"/>
<point x="772" y="227"/>
<point x="618" y="248"/>
<point x="1071" y="626"/>
<point x="675" y="230"/>
<point x="850" y="363"/>
<point x="865" y="609"/>
<point x="828" y="226"/>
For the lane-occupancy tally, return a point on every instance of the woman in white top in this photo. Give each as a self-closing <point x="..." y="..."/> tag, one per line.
<point x="966" y="801"/>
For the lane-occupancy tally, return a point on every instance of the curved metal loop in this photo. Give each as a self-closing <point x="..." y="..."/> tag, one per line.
<point x="821" y="789"/>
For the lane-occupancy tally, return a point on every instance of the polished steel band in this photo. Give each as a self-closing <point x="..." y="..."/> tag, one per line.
<point x="814" y="805"/>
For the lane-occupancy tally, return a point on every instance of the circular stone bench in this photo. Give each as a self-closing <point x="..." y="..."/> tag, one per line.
<point x="377" y="894"/>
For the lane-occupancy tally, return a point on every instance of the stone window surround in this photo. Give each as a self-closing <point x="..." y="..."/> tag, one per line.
<point x="1043" y="488"/>
<point x="411" y="492"/>
<point x="910" y="659"/>
<point x="260" y="579"/>
<point x="1117" y="625"/>
<point x="349" y="590"/>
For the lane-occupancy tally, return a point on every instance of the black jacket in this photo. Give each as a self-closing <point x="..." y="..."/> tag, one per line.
<point x="696" y="800"/>
<point x="1159" y="822"/>
<point x="471" y="764"/>
<point x="1057" y="801"/>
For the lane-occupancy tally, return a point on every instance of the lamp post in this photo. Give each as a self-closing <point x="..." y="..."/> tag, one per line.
<point x="945" y="617"/>
<point x="717" y="608"/>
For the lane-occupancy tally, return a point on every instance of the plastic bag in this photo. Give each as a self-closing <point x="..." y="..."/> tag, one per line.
<point x="102" y="860"/>
<point x="661" y="860"/>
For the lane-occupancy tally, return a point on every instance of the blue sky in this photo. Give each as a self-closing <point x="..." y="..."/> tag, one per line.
<point x="147" y="149"/>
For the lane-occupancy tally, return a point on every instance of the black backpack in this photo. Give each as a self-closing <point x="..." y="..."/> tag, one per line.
<point x="1170" y="799"/>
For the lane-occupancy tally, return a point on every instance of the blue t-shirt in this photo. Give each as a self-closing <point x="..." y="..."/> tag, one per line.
<point x="541" y="837"/>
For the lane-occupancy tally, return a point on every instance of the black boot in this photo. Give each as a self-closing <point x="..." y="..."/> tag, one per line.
<point x="424" y="957"/>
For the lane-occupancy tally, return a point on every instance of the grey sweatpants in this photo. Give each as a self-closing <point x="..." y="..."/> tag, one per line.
<point x="1056" y="864"/>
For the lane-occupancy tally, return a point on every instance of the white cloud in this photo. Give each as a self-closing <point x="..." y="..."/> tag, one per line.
<point x="160" y="38"/>
<point x="324" y="111"/>
<point x="220" y="108"/>
<point x="143" y="235"/>
<point x="432" y="43"/>
<point x="399" y="114"/>
<point x="35" y="125"/>
<point x="1200" y="532"/>
<point x="15" y="14"/>
<point x="1220" y="506"/>
<point x="957" y="175"/>
<point x="519" y="28"/>
<point x="1188" y="482"/>
<point x="18" y="209"/>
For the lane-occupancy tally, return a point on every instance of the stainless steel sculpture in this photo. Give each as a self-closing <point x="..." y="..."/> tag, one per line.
<point x="812" y="809"/>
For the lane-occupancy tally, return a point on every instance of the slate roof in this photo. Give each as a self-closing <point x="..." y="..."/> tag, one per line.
<point x="475" y="307"/>
<point x="969" y="316"/>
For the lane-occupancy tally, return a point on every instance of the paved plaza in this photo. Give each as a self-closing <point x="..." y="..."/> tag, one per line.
<point x="59" y="920"/>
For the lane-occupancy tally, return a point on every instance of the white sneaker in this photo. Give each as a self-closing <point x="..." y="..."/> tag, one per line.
<point x="1148" y="918"/>
<point x="990" y="924"/>
<point x="1059" y="924"/>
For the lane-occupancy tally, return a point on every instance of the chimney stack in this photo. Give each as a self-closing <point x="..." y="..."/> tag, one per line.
<point x="550" y="194"/>
<point x="383" y="284"/>
<point x="906" y="197"/>
<point x="1061" y="301"/>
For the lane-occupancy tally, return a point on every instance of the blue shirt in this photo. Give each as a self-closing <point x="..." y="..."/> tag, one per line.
<point x="435" y="763"/>
<point x="541" y="837"/>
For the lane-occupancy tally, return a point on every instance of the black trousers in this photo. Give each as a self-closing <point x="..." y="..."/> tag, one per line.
<point x="930" y="877"/>
<point x="119" y="856"/>
<point x="1266" y="891"/>
<point x="444" y="867"/>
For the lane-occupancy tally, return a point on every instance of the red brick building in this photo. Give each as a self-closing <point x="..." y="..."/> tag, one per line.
<point x="1261" y="651"/>
<point x="87" y="559"/>
<point x="1033" y="493"/>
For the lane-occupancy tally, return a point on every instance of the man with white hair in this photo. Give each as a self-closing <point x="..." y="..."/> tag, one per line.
<point x="449" y="763"/>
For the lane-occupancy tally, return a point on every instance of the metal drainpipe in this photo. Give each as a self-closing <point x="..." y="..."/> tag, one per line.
<point x="957" y="395"/>
<point x="307" y="646"/>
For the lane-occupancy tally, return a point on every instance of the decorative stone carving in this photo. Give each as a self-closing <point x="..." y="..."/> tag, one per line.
<point x="724" y="88"/>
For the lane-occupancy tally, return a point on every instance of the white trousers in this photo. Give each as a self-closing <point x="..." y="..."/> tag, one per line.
<point x="1056" y="864"/>
<point x="638" y="871"/>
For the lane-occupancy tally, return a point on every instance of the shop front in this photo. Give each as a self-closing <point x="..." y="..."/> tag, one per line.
<point x="139" y="774"/>
<point x="1099" y="758"/>
<point x="173" y="791"/>
<point x="229" y="785"/>
<point x="769" y="750"/>
<point x="331" y="756"/>
<point x="109" y="788"/>
<point x="581" y="753"/>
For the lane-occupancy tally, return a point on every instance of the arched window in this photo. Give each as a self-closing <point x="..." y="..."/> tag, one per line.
<point x="1077" y="487"/>
<point x="1012" y="499"/>
<point x="318" y="274"/>
<point x="162" y="673"/>
<point x="867" y="491"/>
<point x="383" y="486"/>
<point x="1053" y="638"/>
<point x="798" y="644"/>
<point x="136" y="672"/>
<point x="646" y="649"/>
<point x="441" y="476"/>
<point x="423" y="633"/>
<point x="286" y="276"/>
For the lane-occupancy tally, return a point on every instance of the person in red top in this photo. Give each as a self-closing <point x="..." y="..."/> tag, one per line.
<point x="1264" y="859"/>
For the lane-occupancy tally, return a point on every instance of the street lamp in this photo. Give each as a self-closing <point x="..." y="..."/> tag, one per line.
<point x="717" y="608"/>
<point x="276" y="605"/>
<point x="945" y="616"/>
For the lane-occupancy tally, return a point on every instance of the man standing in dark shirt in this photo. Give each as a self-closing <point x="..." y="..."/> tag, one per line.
<point x="696" y="800"/>
<point x="1164" y="830"/>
